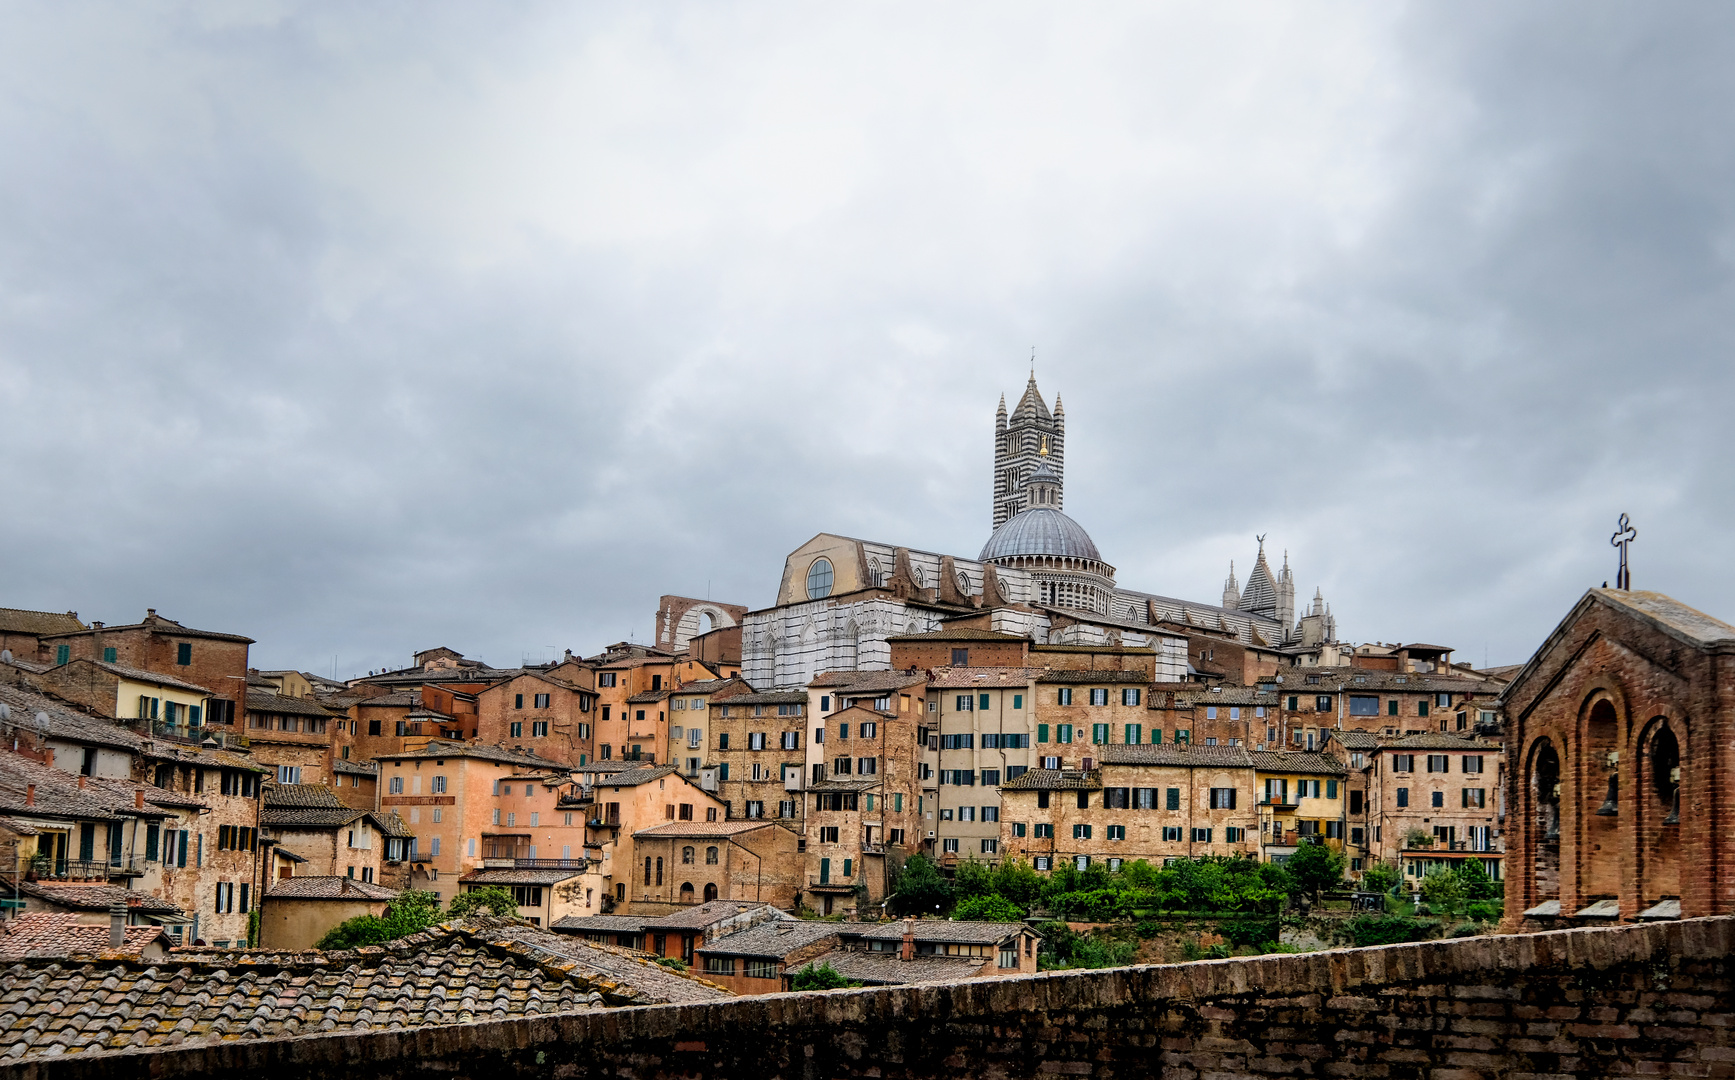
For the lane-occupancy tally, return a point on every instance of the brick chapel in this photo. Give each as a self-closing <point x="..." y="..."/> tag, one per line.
<point x="1622" y="774"/>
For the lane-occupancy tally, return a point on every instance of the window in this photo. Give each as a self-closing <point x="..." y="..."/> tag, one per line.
<point x="1042" y="862"/>
<point x="1294" y="703"/>
<point x="867" y="766"/>
<point x="1234" y="834"/>
<point x="1099" y="734"/>
<point x="1081" y="862"/>
<point x="517" y="729"/>
<point x="1117" y="832"/>
<point x="843" y="731"/>
<point x="1222" y="798"/>
<point x="1099" y="697"/>
<point x="1403" y="796"/>
<point x="1422" y="707"/>
<point x="1439" y="763"/>
<point x="1201" y="836"/>
<point x="539" y="729"/>
<point x="1403" y="763"/>
<point x="756" y="740"/>
<point x="1182" y="735"/>
<point x="989" y="847"/>
<point x="711" y="856"/>
<point x="1135" y="734"/>
<point x="819" y="578"/>
<point x="397" y="785"/>
<point x="868" y="731"/>
<point x="964" y="703"/>
<point x="1063" y="733"/>
<point x="1307" y="789"/>
<point x="183" y="654"/>
<point x="1130" y="695"/>
<point x="291" y="774"/>
<point x="1475" y="798"/>
<point x="990" y="778"/>
<point x="1065" y="695"/>
<point x="1051" y="763"/>
<point x="1042" y="831"/>
<point x="1322" y="703"/>
<point x="606" y="678"/>
<point x="960" y="657"/>
<point x="1357" y="836"/>
<point x="1172" y="833"/>
<point x="1364" y="705"/>
<point x="1081" y="831"/>
<point x="1172" y="799"/>
<point x="1018" y="701"/>
<point x="1472" y="763"/>
<point x="1439" y="799"/>
<point x="950" y="846"/>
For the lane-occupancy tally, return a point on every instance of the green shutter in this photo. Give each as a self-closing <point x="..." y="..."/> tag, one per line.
<point x="1018" y="701"/>
<point x="1331" y="789"/>
<point x="983" y="703"/>
<point x="723" y="771"/>
<point x="898" y="803"/>
<point x="848" y="866"/>
<point x="1391" y="707"/>
<point x="109" y="654"/>
<point x="1294" y="702"/>
<point x="1173" y="798"/>
<point x="825" y="871"/>
<point x="152" y="833"/>
<point x="1156" y="736"/>
<point x="870" y="802"/>
<point x="1134" y="735"/>
<point x="1421" y="708"/>
<point x="87" y="842"/>
<point x="1041" y="733"/>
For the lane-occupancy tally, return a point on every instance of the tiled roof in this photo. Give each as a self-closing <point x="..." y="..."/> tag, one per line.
<point x="707" y="828"/>
<point x="962" y="634"/>
<point x="277" y="703"/>
<point x="953" y="930"/>
<point x="778" y="938"/>
<point x="1297" y="762"/>
<point x="1356" y="740"/>
<point x="862" y="682"/>
<point x="518" y="877"/>
<point x="310" y="817"/>
<point x="770" y="697"/>
<point x="355" y="768"/>
<point x="1185" y="755"/>
<point x="1440" y="741"/>
<point x="284" y="795"/>
<point x="94" y="897"/>
<point x="427" y="714"/>
<point x="1671" y="615"/>
<point x="644" y="774"/>
<point x="398" y="698"/>
<point x="971" y="678"/>
<point x="327" y="888"/>
<point x="154" y="677"/>
<point x="887" y="968"/>
<point x="705" y="686"/>
<point x="158" y="624"/>
<point x="460" y="972"/>
<point x="844" y="785"/>
<point x="444" y="748"/>
<point x="390" y="824"/>
<point x="63" y="722"/>
<point x="1123" y="676"/>
<point x="284" y="853"/>
<point x="44" y="934"/>
<point x="1054" y="780"/>
<point x="712" y="912"/>
<point x="58" y="794"/>
<point x="649" y="697"/>
<point x="607" y="924"/>
<point x="1351" y="680"/>
<point x="1194" y="697"/>
<point x="24" y="621"/>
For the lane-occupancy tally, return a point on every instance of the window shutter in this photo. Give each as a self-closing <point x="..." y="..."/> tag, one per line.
<point x="1041" y="733"/>
<point x="181" y="856"/>
<point x="1331" y="789"/>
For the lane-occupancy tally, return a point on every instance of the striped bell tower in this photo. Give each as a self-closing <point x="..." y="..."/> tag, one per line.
<point x="1030" y="435"/>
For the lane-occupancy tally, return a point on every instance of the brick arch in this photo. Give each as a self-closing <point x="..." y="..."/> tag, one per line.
<point x="1664" y="741"/>
<point x="1603" y="724"/>
<point x="1539" y="871"/>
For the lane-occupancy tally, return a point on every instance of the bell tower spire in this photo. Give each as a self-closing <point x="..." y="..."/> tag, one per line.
<point x="1031" y="435"/>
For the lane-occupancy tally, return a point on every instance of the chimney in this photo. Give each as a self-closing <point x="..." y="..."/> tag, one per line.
<point x="96" y="626"/>
<point x="30" y="795"/>
<point x="117" y="925"/>
<point x="908" y="952"/>
<point x="81" y="781"/>
<point x="150" y="613"/>
<point x="139" y="799"/>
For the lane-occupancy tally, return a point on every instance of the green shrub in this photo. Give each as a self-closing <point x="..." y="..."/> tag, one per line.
<point x="989" y="908"/>
<point x="1485" y="912"/>
<point x="821" y="977"/>
<point x="496" y="899"/>
<point x="1389" y="929"/>
<point x="920" y="888"/>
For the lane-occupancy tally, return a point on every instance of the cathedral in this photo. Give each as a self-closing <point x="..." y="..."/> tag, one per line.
<point x="1039" y="575"/>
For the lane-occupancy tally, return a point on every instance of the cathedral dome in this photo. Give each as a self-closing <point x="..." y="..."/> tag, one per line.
<point x="1041" y="530"/>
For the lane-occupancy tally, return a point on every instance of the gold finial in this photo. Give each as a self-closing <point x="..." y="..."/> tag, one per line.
<point x="1044" y="448"/>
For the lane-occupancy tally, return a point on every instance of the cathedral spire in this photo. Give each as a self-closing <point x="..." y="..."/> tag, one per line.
<point x="1231" y="591"/>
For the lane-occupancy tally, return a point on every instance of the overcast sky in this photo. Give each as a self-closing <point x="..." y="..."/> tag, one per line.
<point x="364" y="328"/>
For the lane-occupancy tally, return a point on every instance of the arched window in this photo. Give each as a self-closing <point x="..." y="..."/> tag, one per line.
<point x="711" y="856"/>
<point x="647" y="869"/>
<point x="659" y="869"/>
<point x="964" y="583"/>
<point x="687" y="856"/>
<point x="819" y="578"/>
<point x="876" y="576"/>
<point x="686" y="892"/>
<point x="710" y="891"/>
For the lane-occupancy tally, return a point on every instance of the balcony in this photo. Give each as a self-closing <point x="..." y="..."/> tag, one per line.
<point x="1284" y="803"/>
<point x="829" y="886"/>
<point x="515" y="863"/>
<point x="84" y="869"/>
<point x="193" y="734"/>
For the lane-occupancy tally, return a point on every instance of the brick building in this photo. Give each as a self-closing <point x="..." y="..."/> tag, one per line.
<point x="863" y="815"/>
<point x="690" y="722"/>
<point x="1621" y="765"/>
<point x="545" y="715"/>
<point x="752" y="753"/>
<point x="329" y="839"/>
<point x="1302" y="800"/>
<point x="292" y="736"/>
<point x="1138" y="802"/>
<point x="1435" y="800"/>
<point x="215" y="661"/>
<point x="957" y="646"/>
<point x="22" y="631"/>
<point x="681" y="864"/>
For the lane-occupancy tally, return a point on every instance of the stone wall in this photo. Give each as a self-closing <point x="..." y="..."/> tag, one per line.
<point x="1641" y="999"/>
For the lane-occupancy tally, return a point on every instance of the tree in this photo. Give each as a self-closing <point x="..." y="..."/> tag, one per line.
<point x="1418" y="837"/>
<point x="972" y="879"/>
<point x="1443" y="890"/>
<point x="1379" y="877"/>
<point x="496" y="899"/>
<point x="921" y="890"/>
<point x="1476" y="883"/>
<point x="991" y="908"/>
<point x="1315" y="868"/>
<point x="822" y="976"/>
<point x="1017" y="882"/>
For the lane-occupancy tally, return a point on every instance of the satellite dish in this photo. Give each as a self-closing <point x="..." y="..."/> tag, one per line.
<point x="5" y="656"/>
<point x="5" y="711"/>
<point x="42" y="722"/>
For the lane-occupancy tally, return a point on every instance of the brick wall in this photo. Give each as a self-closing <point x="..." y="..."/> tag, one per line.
<point x="1645" y="999"/>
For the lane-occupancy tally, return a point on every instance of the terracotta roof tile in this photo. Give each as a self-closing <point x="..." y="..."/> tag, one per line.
<point x="327" y="888"/>
<point x="43" y="934"/>
<point x="1186" y="755"/>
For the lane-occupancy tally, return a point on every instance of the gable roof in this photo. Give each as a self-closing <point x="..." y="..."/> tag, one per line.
<point x="95" y="897"/>
<point x="444" y="748"/>
<point x="60" y="934"/>
<point x="25" y="621"/>
<point x="133" y="674"/>
<point x="970" y="678"/>
<point x="158" y="625"/>
<point x="285" y="795"/>
<point x="1185" y="755"/>
<point x="964" y="634"/>
<point x="1055" y="780"/>
<point x="260" y="701"/>
<point x="777" y="938"/>
<point x="643" y="774"/>
<point x="707" y="829"/>
<point x="325" y="887"/>
<point x="62" y="722"/>
<point x="1293" y="761"/>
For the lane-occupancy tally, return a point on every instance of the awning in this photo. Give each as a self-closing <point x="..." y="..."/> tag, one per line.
<point x="1548" y="909"/>
<point x="1664" y="909"/>
<point x="1602" y="909"/>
